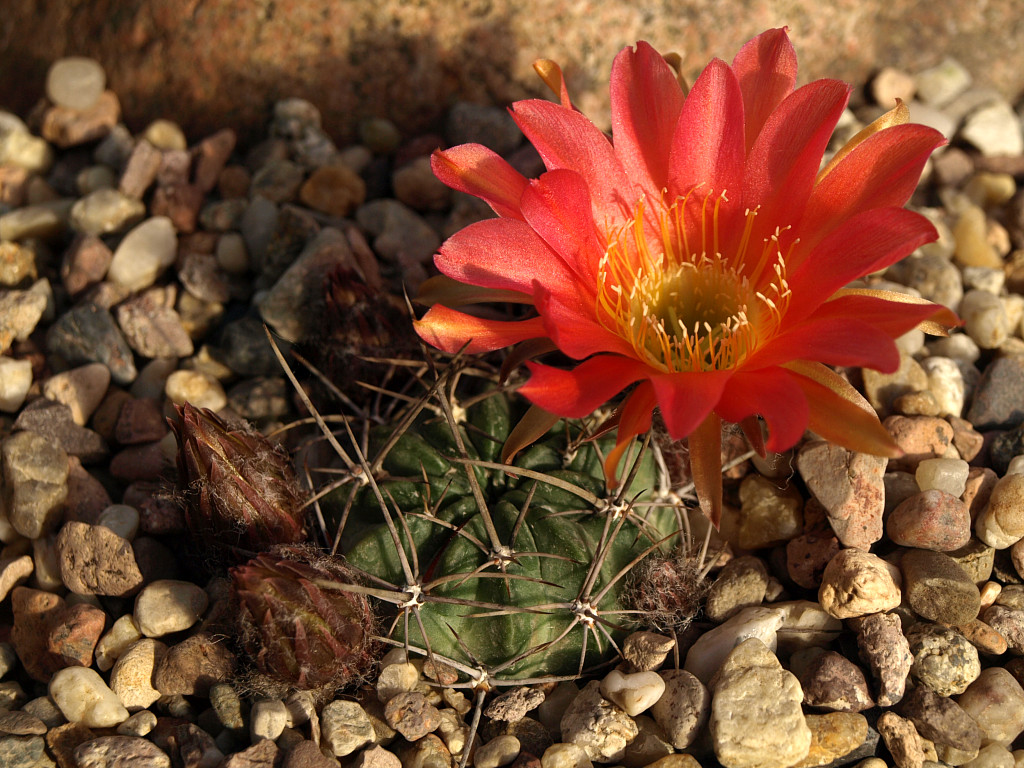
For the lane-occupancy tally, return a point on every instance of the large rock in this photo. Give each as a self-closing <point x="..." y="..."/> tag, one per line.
<point x="221" y="63"/>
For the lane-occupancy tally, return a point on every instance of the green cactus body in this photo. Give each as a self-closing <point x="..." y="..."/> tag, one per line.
<point x="532" y="586"/>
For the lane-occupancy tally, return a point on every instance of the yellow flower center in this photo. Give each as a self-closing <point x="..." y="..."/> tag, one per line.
<point x="679" y="301"/>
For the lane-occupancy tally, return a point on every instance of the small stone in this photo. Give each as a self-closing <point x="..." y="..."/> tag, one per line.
<point x="333" y="189"/>
<point x="902" y="740"/>
<point x="683" y="708"/>
<point x="983" y="637"/>
<point x="411" y="715"/>
<point x="994" y="129"/>
<point x="87" y="333"/>
<point x="807" y="556"/>
<point x="307" y="754"/>
<point x="96" y="561"/>
<point x="834" y="735"/>
<point x="132" y="674"/>
<point x="597" y="725"/>
<point x="416" y="185"/>
<point x="122" y="635"/>
<point x="85" y="263"/>
<point x="937" y="86"/>
<point x="20" y="723"/>
<point x="938" y="589"/>
<point x="985" y="318"/>
<point x="267" y="719"/>
<point x="140" y="724"/>
<point x="707" y="654"/>
<point x="833" y="682"/>
<point x="15" y="380"/>
<point x="849" y="486"/>
<point x="943" y="658"/>
<point x="44" y="221"/>
<point x="932" y="519"/>
<point x="400" y="235"/>
<point x="395" y="679"/>
<point x="499" y="751"/>
<point x="883" y="389"/>
<point x="35" y="474"/>
<point x="200" y="389"/>
<point x="741" y="583"/>
<point x="13" y="571"/>
<point x="769" y="515"/>
<point x="886" y="650"/>
<point x="997" y="399"/>
<point x="144" y="253"/>
<point x="920" y="437"/>
<point x="168" y="606"/>
<point x="633" y="693"/>
<point x="53" y="422"/>
<point x="106" y="211"/>
<point x="17" y="262"/>
<point x="514" y="704"/>
<point x="1007" y="622"/>
<point x="81" y="389"/>
<point x="75" y="82"/>
<point x="153" y="329"/>
<point x="995" y="700"/>
<point x="1001" y="522"/>
<point x="857" y="583"/>
<point x="20" y="312"/>
<point x="646" y="650"/>
<point x="84" y="698"/>
<point x="278" y="181"/>
<point x="71" y="127"/>
<point x="891" y="84"/>
<point x="263" y="754"/>
<point x="750" y="689"/>
<point x="956" y="736"/>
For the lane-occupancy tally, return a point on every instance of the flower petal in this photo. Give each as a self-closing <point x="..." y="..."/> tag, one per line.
<point x="574" y="329"/>
<point x="938" y="323"/>
<point x="867" y="242"/>
<point x="451" y="331"/>
<point x="707" y="147"/>
<point x="889" y="316"/>
<point x="646" y="99"/>
<point x="634" y="419"/>
<point x="898" y="115"/>
<point x="558" y="207"/>
<point x="478" y="171"/>
<point x="441" y="289"/>
<point x="840" y="414"/>
<point x="503" y="254"/>
<point x="705" y="444"/>
<point x="766" y="70"/>
<point x="535" y="424"/>
<point x="881" y="172"/>
<point x="786" y="155"/>
<point x="830" y="340"/>
<point x="686" y="399"/>
<point x="772" y="394"/>
<point x="565" y="138"/>
<point x="578" y="392"/>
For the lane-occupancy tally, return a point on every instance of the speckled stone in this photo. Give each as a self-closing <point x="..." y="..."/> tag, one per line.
<point x="943" y="658"/>
<point x="938" y="589"/>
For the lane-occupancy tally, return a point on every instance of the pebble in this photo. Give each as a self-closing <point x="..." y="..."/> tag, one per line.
<point x="955" y="734"/>
<point x="132" y="675"/>
<point x="932" y="519"/>
<point x="123" y="633"/>
<point x="994" y="129"/>
<point x="15" y="381"/>
<point x="72" y="127"/>
<point x="849" y="486"/>
<point x="835" y="735"/>
<point x="411" y="715"/>
<point x="565" y="755"/>
<point x="81" y="389"/>
<point x="120" y="752"/>
<point x="1001" y="522"/>
<point x="995" y="701"/>
<point x="140" y="724"/>
<point x="769" y="515"/>
<point x="513" y="705"/>
<point x="345" y="727"/>
<point x="683" y="709"/>
<point x="416" y="185"/>
<point x="752" y="688"/>
<point x="143" y="254"/>
<point x="646" y="650"/>
<point x="830" y="681"/>
<point x="499" y="751"/>
<point x="75" y="82"/>
<point x="885" y="649"/>
<point x="22" y="150"/>
<point x="632" y="693"/>
<point x="944" y="660"/>
<point x="428" y="752"/>
<point x="106" y="211"/>
<point x="902" y="740"/>
<point x="199" y="389"/>
<point x="741" y="583"/>
<point x="333" y="189"/>
<point x="17" y="262"/>
<point x="84" y="698"/>
<point x="153" y="329"/>
<point x="1009" y="623"/>
<point x="395" y="679"/>
<point x="993" y="756"/>
<point x="998" y="398"/>
<point x="20" y="312"/>
<point x="937" y="86"/>
<point x="710" y="650"/>
<point x="946" y="383"/>
<point x="858" y="583"/>
<point x="45" y="221"/>
<point x="168" y="606"/>
<point x="985" y="318"/>
<point x="920" y="438"/>
<point x="399" y="234"/>
<point x="947" y="475"/>
<point x="95" y="560"/>
<point x="938" y="589"/>
<point x="35" y="473"/>
<point x="267" y="719"/>
<point x="87" y="333"/>
<point x="601" y="728"/>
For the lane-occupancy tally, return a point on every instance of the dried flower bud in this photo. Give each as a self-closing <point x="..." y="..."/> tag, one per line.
<point x="300" y="626"/>
<point x="241" y="491"/>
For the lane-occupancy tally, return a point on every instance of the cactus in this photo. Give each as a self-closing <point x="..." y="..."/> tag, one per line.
<point x="506" y="573"/>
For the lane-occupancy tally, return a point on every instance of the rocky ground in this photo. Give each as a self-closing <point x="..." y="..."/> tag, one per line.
<point x="137" y="273"/>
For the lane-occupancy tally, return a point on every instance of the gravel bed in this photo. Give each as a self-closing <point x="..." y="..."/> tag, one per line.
<point x="861" y="611"/>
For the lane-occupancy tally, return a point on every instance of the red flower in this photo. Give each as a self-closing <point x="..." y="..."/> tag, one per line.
<point x="701" y="257"/>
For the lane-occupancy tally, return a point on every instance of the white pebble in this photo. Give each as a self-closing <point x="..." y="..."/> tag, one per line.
<point x="984" y="279"/>
<point x="949" y="475"/>
<point x="131" y="679"/>
<point x="146" y="251"/>
<point x="200" y="389"/>
<point x="1001" y="522"/>
<point x="15" y="381"/>
<point x="994" y="129"/>
<point x="946" y="383"/>
<point x="122" y="519"/>
<point x="122" y="635"/>
<point x="565" y="755"/>
<point x="268" y="719"/>
<point x="942" y="83"/>
<point x="83" y="697"/>
<point x="985" y="319"/>
<point x="23" y="150"/>
<point x="707" y="654"/>
<point x="169" y="605"/>
<point x="75" y="82"/>
<point x="1016" y="465"/>
<point x="634" y="693"/>
<point x="80" y="389"/>
<point x="139" y="724"/>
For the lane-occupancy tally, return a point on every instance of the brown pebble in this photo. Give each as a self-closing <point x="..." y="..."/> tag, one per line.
<point x="938" y="589"/>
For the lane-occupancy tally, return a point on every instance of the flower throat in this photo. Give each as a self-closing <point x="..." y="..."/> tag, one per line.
<point x="679" y="301"/>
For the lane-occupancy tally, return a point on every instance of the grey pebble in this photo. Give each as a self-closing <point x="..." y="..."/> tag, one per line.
<point x="87" y="333"/>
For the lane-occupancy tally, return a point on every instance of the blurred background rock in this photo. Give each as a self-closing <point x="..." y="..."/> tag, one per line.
<point x="209" y="64"/>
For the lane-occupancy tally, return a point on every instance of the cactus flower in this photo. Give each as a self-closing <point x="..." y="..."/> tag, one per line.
<point x="698" y="260"/>
<point x="241" y="491"/>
